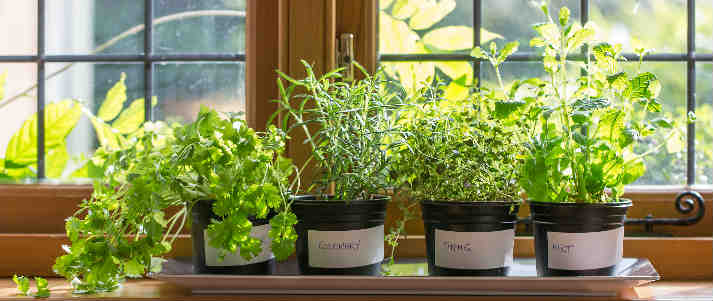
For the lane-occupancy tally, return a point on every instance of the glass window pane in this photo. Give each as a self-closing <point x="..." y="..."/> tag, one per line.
<point x="667" y="166"/>
<point x="192" y="26"/>
<point x="426" y="27"/>
<point x="73" y="138"/>
<point x="704" y="26"/>
<point x="704" y="123"/>
<point x="653" y="24"/>
<point x="18" y="27"/>
<point x="183" y="87"/>
<point x="498" y="17"/>
<point x="19" y="161"/>
<point x="90" y="26"/>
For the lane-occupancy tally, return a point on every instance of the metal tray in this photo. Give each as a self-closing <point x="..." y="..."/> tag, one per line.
<point x="522" y="280"/>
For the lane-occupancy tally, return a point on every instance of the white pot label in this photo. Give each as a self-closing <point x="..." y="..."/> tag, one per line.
<point x="234" y="259"/>
<point x="346" y="249"/>
<point x="473" y="250"/>
<point x="585" y="251"/>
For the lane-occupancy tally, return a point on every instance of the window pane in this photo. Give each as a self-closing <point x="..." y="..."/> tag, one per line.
<point x="16" y="111"/>
<point x="183" y="87"/>
<point x="652" y="24"/>
<point x="426" y="27"/>
<point x="704" y="26"/>
<point x="191" y="26"/>
<point x="87" y="26"/>
<point x="704" y="123"/>
<point x="667" y="165"/>
<point x="18" y="27"/>
<point x="75" y="136"/>
<point x="498" y="17"/>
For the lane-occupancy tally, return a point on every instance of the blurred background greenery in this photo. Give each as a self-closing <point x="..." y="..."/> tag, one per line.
<point x="446" y="26"/>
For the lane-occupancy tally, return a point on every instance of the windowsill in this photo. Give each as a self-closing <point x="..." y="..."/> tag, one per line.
<point x="158" y="290"/>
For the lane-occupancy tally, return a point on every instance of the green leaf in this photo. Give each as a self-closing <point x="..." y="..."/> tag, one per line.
<point x="591" y="104"/>
<point x="114" y="101"/>
<point x="43" y="290"/>
<point x="503" y="109"/>
<point x="564" y="16"/>
<point x="662" y="122"/>
<point x="452" y="38"/>
<point x="633" y="170"/>
<point x="549" y="33"/>
<point x="23" y="284"/>
<point x="131" y="119"/>
<point x="404" y="9"/>
<point x="57" y="158"/>
<point x="509" y="49"/>
<point x="580" y="37"/>
<point x="106" y="135"/>
<point x="640" y="86"/>
<point x="431" y="14"/>
<point x="455" y="70"/>
<point x="479" y="53"/>
<point x="60" y="119"/>
<point x="618" y="81"/>
<point x="3" y="78"/>
<point x="456" y="90"/>
<point x="395" y="36"/>
<point x="133" y="268"/>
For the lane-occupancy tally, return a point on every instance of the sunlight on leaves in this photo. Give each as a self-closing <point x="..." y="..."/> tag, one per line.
<point x="431" y="14"/>
<point x="452" y="38"/>
<point x="114" y="101"/>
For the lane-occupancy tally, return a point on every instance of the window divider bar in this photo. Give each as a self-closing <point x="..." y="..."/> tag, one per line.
<point x="477" y="25"/>
<point x="691" y="91"/>
<point x="40" y="90"/>
<point x="148" y="64"/>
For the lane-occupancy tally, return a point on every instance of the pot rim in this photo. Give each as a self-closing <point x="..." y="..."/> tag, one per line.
<point x="471" y="203"/>
<point x="312" y="199"/>
<point x="623" y="202"/>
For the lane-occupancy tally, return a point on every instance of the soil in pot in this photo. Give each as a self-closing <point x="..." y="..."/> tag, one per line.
<point x="338" y="237"/>
<point x="578" y="239"/>
<point x="469" y="238"/>
<point x="205" y="257"/>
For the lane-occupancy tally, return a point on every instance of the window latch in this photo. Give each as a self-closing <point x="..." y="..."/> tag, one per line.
<point x="345" y="55"/>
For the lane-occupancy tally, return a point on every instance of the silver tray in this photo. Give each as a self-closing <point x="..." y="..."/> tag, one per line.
<point x="521" y="280"/>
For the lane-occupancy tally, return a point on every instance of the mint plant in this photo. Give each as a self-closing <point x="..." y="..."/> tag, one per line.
<point x="585" y="125"/>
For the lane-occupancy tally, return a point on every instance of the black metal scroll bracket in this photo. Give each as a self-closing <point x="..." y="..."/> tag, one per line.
<point x="686" y="202"/>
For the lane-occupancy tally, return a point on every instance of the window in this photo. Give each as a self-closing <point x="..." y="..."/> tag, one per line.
<point x="192" y="55"/>
<point x="418" y="39"/>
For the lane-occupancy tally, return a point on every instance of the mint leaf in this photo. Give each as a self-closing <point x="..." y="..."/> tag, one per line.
<point x="42" y="288"/>
<point x="23" y="284"/>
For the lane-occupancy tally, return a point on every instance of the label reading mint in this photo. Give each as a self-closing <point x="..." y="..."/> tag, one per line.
<point x="585" y="251"/>
<point x="473" y="250"/>
<point x="234" y="259"/>
<point x="345" y="249"/>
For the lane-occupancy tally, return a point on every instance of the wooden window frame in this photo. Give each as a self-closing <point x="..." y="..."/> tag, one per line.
<point x="279" y="34"/>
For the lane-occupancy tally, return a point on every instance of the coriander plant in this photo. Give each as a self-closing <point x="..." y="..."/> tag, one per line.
<point x="350" y="127"/>
<point x="587" y="118"/>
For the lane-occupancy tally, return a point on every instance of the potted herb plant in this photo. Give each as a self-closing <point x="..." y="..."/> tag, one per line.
<point x="347" y="125"/>
<point x="236" y="184"/>
<point x="228" y="175"/>
<point x="583" y="151"/>
<point x="461" y="163"/>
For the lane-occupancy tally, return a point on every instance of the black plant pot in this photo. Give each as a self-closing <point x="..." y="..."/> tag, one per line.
<point x="469" y="239"/>
<point x="337" y="237"/>
<point x="578" y="239"/>
<point x="205" y="257"/>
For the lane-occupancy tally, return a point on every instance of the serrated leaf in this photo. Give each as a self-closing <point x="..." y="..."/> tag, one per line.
<point x="114" y="100"/>
<point x="429" y="15"/>
<point x="618" y="81"/>
<point x="591" y="104"/>
<point x="452" y="38"/>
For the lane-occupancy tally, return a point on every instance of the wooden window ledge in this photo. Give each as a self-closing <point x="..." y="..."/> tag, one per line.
<point x="158" y="290"/>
